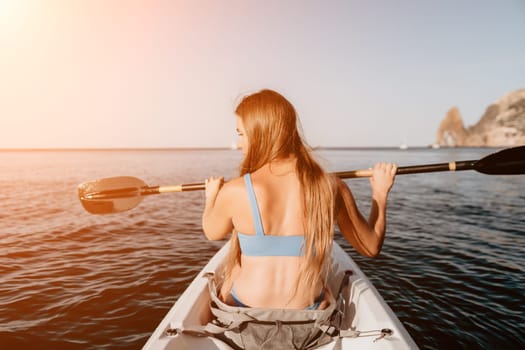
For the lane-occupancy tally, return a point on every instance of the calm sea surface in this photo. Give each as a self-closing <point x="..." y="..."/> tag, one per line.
<point x="452" y="266"/>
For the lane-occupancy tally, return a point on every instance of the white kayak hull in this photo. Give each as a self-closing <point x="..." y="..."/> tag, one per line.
<point x="368" y="312"/>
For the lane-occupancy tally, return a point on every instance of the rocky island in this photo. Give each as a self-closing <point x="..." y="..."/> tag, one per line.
<point x="502" y="125"/>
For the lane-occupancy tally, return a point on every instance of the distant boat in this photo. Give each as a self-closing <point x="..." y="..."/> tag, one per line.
<point x="435" y="145"/>
<point x="234" y="145"/>
<point x="403" y="146"/>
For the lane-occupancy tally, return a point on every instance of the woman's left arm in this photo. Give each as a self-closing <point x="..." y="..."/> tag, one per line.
<point x="366" y="235"/>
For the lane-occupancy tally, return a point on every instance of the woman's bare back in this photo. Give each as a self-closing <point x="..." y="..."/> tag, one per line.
<point x="270" y="281"/>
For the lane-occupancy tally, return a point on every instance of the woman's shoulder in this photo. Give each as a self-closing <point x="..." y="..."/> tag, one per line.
<point x="230" y="192"/>
<point x="234" y="185"/>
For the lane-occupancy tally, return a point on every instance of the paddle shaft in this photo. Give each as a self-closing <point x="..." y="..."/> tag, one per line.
<point x="416" y="169"/>
<point x="506" y="162"/>
<point x="117" y="194"/>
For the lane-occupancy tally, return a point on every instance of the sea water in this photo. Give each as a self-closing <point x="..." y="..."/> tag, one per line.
<point x="452" y="266"/>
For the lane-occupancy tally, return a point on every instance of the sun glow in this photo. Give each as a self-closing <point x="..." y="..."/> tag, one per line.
<point x="12" y="15"/>
<point x="9" y="8"/>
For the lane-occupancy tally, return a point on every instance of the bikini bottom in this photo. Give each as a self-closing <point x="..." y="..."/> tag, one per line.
<point x="314" y="306"/>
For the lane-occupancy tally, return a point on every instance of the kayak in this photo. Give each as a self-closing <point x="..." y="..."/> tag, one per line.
<point x="376" y="324"/>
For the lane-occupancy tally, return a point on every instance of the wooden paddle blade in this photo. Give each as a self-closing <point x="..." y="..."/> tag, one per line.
<point x="510" y="161"/>
<point x="111" y="187"/>
<point x="111" y="195"/>
<point x="110" y="206"/>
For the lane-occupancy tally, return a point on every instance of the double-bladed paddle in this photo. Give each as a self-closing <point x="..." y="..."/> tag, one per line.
<point x="121" y="193"/>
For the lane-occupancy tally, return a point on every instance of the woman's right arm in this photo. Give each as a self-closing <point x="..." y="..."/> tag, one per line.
<point x="217" y="216"/>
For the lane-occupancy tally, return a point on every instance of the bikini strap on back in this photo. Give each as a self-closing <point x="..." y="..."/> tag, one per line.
<point x="254" y="206"/>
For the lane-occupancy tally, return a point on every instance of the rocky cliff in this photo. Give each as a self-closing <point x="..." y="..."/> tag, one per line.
<point x="503" y="124"/>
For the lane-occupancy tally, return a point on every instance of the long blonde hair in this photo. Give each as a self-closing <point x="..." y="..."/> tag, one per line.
<point x="270" y="123"/>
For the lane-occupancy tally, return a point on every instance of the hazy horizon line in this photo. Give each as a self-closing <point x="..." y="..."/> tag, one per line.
<point x="128" y="149"/>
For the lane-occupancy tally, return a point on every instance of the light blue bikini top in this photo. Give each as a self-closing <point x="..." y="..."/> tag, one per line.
<point x="266" y="245"/>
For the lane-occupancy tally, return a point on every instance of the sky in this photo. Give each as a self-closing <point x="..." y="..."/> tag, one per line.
<point x="161" y="74"/>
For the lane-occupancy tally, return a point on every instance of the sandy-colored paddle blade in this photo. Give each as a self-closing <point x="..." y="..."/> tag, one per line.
<point x="111" y="195"/>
